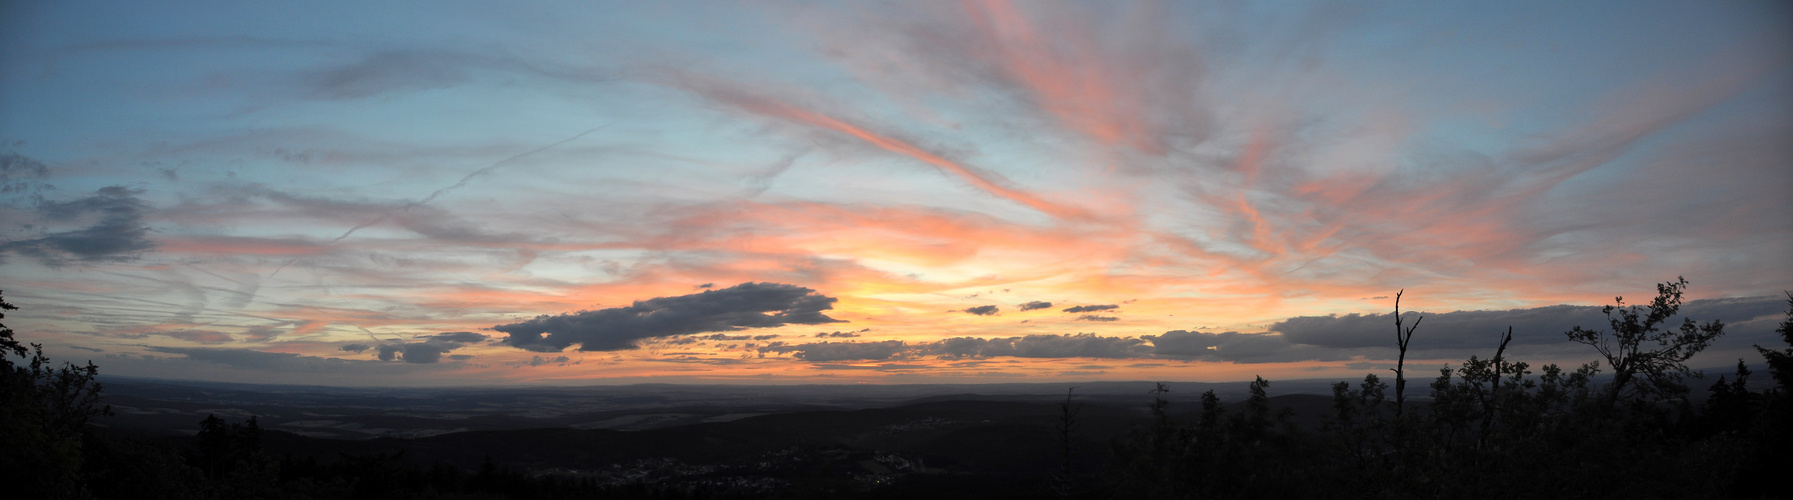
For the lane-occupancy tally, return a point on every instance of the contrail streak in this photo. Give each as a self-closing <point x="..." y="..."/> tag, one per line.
<point x="439" y="192"/>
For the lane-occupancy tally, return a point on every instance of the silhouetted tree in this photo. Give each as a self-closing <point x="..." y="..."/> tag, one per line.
<point x="45" y="412"/>
<point x="1402" y="337"/>
<point x="1757" y="422"/>
<point x="1780" y="363"/>
<point x="1731" y="406"/>
<point x="1637" y="346"/>
<point x="230" y="456"/>
<point x="1065" y="483"/>
<point x="1493" y="399"/>
<point x="1355" y="435"/>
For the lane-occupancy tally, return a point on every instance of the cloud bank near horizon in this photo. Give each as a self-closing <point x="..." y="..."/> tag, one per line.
<point x="1447" y="336"/>
<point x="739" y="307"/>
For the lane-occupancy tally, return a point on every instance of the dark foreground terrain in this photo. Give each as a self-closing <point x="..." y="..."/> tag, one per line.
<point x="976" y="441"/>
<point x="173" y="407"/>
<point x="1112" y="440"/>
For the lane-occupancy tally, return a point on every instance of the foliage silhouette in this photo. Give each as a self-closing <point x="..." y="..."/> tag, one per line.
<point x="1627" y="345"/>
<point x="1066" y="482"/>
<point x="1780" y="363"/>
<point x="1492" y="428"/>
<point x="45" y="412"/>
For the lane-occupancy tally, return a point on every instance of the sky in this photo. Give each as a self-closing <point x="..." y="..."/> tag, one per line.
<point x="453" y="194"/>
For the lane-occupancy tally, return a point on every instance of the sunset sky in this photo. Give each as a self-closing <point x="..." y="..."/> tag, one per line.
<point x="438" y="193"/>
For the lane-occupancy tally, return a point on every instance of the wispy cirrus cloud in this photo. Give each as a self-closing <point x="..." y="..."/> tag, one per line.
<point x="752" y="101"/>
<point x="1265" y="169"/>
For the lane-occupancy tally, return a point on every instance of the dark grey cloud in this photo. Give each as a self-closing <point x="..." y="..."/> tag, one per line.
<point x="743" y="306"/>
<point x="822" y="352"/>
<point x="118" y="234"/>
<point x="1084" y="309"/>
<point x="982" y="310"/>
<point x="539" y="361"/>
<point x="1240" y="348"/>
<point x="240" y="358"/>
<point x="1370" y="365"/>
<point x="246" y="365"/>
<point x="355" y="348"/>
<point x="250" y="359"/>
<point x="1035" y="305"/>
<point x="701" y="360"/>
<point x="1092" y="317"/>
<point x="1536" y="332"/>
<point x="21" y="174"/>
<point x="723" y="337"/>
<point x="420" y="352"/>
<point x="197" y="336"/>
<point x="260" y="333"/>
<point x="1083" y="345"/>
<point x="839" y="335"/>
<point x="1186" y="344"/>
<point x="1237" y="347"/>
<point x="461" y="337"/>
<point x="881" y="367"/>
<point x="1473" y="329"/>
<point x="423" y="349"/>
<point x="1176" y="345"/>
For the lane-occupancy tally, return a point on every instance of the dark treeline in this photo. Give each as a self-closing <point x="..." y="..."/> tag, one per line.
<point x="1487" y="428"/>
<point x="1495" y="428"/>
